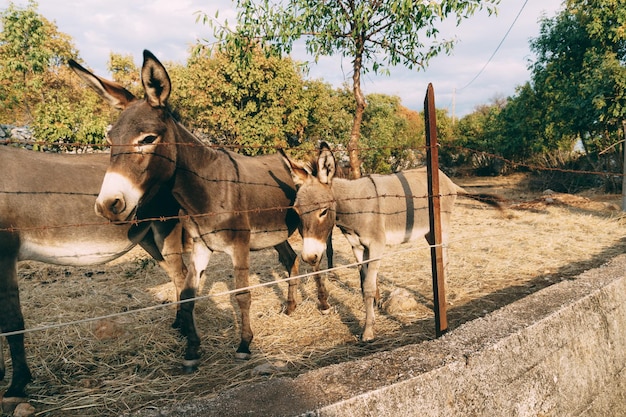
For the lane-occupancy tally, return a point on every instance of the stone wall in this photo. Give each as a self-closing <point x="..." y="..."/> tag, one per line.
<point x="558" y="352"/>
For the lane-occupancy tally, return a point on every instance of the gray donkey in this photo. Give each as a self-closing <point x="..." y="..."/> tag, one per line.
<point x="372" y="212"/>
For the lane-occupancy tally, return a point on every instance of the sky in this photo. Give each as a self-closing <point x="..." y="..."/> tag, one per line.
<point x="461" y="81"/>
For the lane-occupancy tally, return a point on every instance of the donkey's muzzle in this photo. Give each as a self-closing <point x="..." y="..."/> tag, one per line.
<point x="111" y="207"/>
<point x="312" y="250"/>
<point x="311" y="258"/>
<point x="118" y="198"/>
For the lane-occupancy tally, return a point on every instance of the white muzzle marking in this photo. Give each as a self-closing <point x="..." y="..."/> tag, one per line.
<point x="312" y="250"/>
<point x="118" y="197"/>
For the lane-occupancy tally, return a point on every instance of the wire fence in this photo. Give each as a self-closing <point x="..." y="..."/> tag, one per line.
<point x="18" y="229"/>
<point x="106" y="148"/>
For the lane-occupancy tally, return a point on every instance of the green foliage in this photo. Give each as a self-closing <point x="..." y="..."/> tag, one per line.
<point x="373" y="34"/>
<point x="255" y="107"/>
<point x="36" y="87"/>
<point x="125" y="72"/>
<point x="389" y="135"/>
<point x="382" y="33"/>
<point x="577" y="94"/>
<point x="329" y="115"/>
<point x="23" y="58"/>
<point x="71" y="118"/>
<point x="580" y="74"/>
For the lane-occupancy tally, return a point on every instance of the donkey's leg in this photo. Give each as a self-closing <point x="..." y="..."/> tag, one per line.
<point x="361" y="253"/>
<point x="329" y="250"/>
<point x="371" y="298"/>
<point x="369" y="286"/>
<point x="358" y="251"/>
<point x="199" y="260"/>
<point x="170" y="241"/>
<point x="11" y="319"/>
<point x="322" y="291"/>
<point x="241" y="264"/>
<point x="289" y="259"/>
<point x="320" y="281"/>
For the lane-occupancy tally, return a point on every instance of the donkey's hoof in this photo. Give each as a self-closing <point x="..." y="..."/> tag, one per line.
<point x="326" y="311"/>
<point x="190" y="366"/>
<point x="243" y="356"/>
<point x="367" y="336"/>
<point x="9" y="404"/>
<point x="289" y="308"/>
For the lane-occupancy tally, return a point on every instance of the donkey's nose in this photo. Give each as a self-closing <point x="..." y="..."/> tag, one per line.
<point x="312" y="250"/>
<point x="110" y="207"/>
<point x="311" y="258"/>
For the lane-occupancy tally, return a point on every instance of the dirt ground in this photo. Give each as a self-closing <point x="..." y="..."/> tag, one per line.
<point x="116" y="365"/>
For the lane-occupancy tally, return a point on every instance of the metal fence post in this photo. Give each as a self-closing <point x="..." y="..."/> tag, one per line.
<point x="434" y="211"/>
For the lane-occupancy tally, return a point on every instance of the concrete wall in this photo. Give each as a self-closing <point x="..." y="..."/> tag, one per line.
<point x="558" y="352"/>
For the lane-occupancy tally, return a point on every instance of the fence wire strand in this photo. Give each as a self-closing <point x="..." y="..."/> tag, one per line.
<point x="13" y="229"/>
<point x="209" y="296"/>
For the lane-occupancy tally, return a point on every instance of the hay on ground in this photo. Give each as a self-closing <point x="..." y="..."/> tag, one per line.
<point x="121" y="364"/>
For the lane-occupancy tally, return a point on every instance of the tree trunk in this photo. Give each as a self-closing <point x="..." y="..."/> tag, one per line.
<point x="355" y="133"/>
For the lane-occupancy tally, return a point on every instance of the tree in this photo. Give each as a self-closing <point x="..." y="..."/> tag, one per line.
<point x="125" y="72"/>
<point x="37" y="88"/>
<point x="375" y="34"/>
<point x="257" y="107"/>
<point x="576" y="95"/>
<point x="390" y="134"/>
<point x="31" y="51"/>
<point x="580" y="71"/>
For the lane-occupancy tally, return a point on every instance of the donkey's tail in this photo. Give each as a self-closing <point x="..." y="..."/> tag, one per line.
<point x="490" y="199"/>
<point x="486" y="198"/>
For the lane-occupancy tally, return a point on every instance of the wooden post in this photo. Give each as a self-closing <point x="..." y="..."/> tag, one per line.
<point x="434" y="211"/>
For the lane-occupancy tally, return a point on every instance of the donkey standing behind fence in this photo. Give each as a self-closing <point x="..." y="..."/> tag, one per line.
<point x="372" y="212"/>
<point x="46" y="215"/>
<point x="231" y="203"/>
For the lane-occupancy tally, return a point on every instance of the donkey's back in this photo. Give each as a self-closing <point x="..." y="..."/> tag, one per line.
<point x="396" y="204"/>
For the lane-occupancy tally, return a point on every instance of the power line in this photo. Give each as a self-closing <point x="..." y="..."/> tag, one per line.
<point x="497" y="48"/>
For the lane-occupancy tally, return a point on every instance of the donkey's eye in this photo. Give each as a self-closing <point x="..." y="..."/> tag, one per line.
<point x="323" y="212"/>
<point x="148" y="140"/>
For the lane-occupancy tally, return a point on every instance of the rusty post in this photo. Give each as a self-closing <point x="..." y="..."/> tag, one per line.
<point x="434" y="212"/>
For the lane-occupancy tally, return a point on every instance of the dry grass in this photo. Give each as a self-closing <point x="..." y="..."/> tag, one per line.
<point x="118" y="365"/>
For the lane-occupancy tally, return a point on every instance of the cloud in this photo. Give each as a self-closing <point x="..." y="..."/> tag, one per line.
<point x="168" y="28"/>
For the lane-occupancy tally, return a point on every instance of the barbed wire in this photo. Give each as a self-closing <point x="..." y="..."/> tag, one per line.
<point x="13" y="229"/>
<point x="231" y="292"/>
<point x="312" y="206"/>
<point x="200" y="143"/>
<point x="306" y="208"/>
<point x="422" y="148"/>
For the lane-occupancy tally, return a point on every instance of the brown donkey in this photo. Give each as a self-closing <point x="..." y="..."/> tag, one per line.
<point x="372" y="212"/>
<point x="46" y="215"/>
<point x="230" y="202"/>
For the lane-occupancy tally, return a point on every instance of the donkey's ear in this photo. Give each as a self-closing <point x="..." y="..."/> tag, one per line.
<point x="298" y="173"/>
<point x="326" y="165"/>
<point x="156" y="81"/>
<point x="112" y="92"/>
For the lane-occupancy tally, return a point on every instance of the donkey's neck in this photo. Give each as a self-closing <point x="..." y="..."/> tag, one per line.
<point x="351" y="195"/>
<point x="352" y="188"/>
<point x="192" y="147"/>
